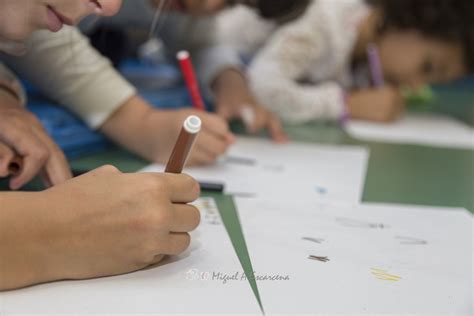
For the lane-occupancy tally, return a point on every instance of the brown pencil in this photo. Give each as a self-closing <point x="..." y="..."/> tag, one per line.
<point x="184" y="144"/>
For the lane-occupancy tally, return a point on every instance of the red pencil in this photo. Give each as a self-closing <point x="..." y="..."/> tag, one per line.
<point x="189" y="74"/>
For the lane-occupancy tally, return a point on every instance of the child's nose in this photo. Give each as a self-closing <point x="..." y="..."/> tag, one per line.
<point x="110" y="7"/>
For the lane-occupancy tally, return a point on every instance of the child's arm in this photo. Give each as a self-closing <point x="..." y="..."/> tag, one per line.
<point x="276" y="72"/>
<point x="70" y="71"/>
<point x="234" y="100"/>
<point x="152" y="134"/>
<point x="218" y="62"/>
<point x="317" y="42"/>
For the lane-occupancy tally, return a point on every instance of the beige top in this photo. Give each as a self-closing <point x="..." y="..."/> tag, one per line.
<point x="68" y="70"/>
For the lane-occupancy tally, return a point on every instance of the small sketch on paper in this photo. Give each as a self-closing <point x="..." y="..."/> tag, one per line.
<point x="317" y="258"/>
<point x="274" y="168"/>
<point x="384" y="275"/>
<point x="209" y="211"/>
<point x="404" y="240"/>
<point x="240" y="161"/>
<point x="349" y="222"/>
<point x="321" y="190"/>
<point x="315" y="240"/>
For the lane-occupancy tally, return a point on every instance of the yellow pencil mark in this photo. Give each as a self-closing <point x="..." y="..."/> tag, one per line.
<point x="385" y="275"/>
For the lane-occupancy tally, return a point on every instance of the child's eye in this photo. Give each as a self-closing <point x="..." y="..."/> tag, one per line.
<point x="427" y="67"/>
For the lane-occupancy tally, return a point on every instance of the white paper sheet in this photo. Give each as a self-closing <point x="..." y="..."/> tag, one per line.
<point x="419" y="129"/>
<point x="292" y="170"/>
<point x="369" y="259"/>
<point x="184" y="286"/>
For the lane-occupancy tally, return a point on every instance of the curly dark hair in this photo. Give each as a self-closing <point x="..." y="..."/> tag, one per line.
<point x="447" y="20"/>
<point x="283" y="10"/>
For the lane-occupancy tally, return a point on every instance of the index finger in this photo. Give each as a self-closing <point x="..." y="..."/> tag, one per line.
<point x="179" y="188"/>
<point x="57" y="167"/>
<point x="217" y="126"/>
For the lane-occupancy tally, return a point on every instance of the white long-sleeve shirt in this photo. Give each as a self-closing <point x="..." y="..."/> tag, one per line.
<point x="68" y="70"/>
<point x="302" y="72"/>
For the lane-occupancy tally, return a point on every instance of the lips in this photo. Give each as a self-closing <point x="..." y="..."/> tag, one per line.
<point x="56" y="20"/>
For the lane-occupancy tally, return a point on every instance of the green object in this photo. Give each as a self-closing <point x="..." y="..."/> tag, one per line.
<point x="232" y="224"/>
<point x="421" y="98"/>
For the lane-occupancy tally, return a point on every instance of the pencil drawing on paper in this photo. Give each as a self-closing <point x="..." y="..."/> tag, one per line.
<point x="404" y="240"/>
<point x="321" y="190"/>
<point x="350" y="222"/>
<point x="318" y="258"/>
<point x="315" y="240"/>
<point x="209" y="211"/>
<point x="384" y="275"/>
<point x="241" y="161"/>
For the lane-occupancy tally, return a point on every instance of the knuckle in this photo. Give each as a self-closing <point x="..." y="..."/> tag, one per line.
<point x="41" y="153"/>
<point x="109" y="168"/>
<point x="153" y="187"/>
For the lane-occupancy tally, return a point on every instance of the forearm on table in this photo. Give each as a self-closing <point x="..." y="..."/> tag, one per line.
<point x="127" y="126"/>
<point x="23" y="246"/>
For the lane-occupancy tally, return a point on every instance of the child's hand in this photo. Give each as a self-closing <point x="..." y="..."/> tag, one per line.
<point x="153" y="133"/>
<point x="212" y="142"/>
<point x="234" y="100"/>
<point x="100" y="224"/>
<point x="21" y="133"/>
<point x="381" y="105"/>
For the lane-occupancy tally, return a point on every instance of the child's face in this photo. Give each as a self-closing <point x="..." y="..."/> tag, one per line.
<point x="20" y="18"/>
<point x="412" y="60"/>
